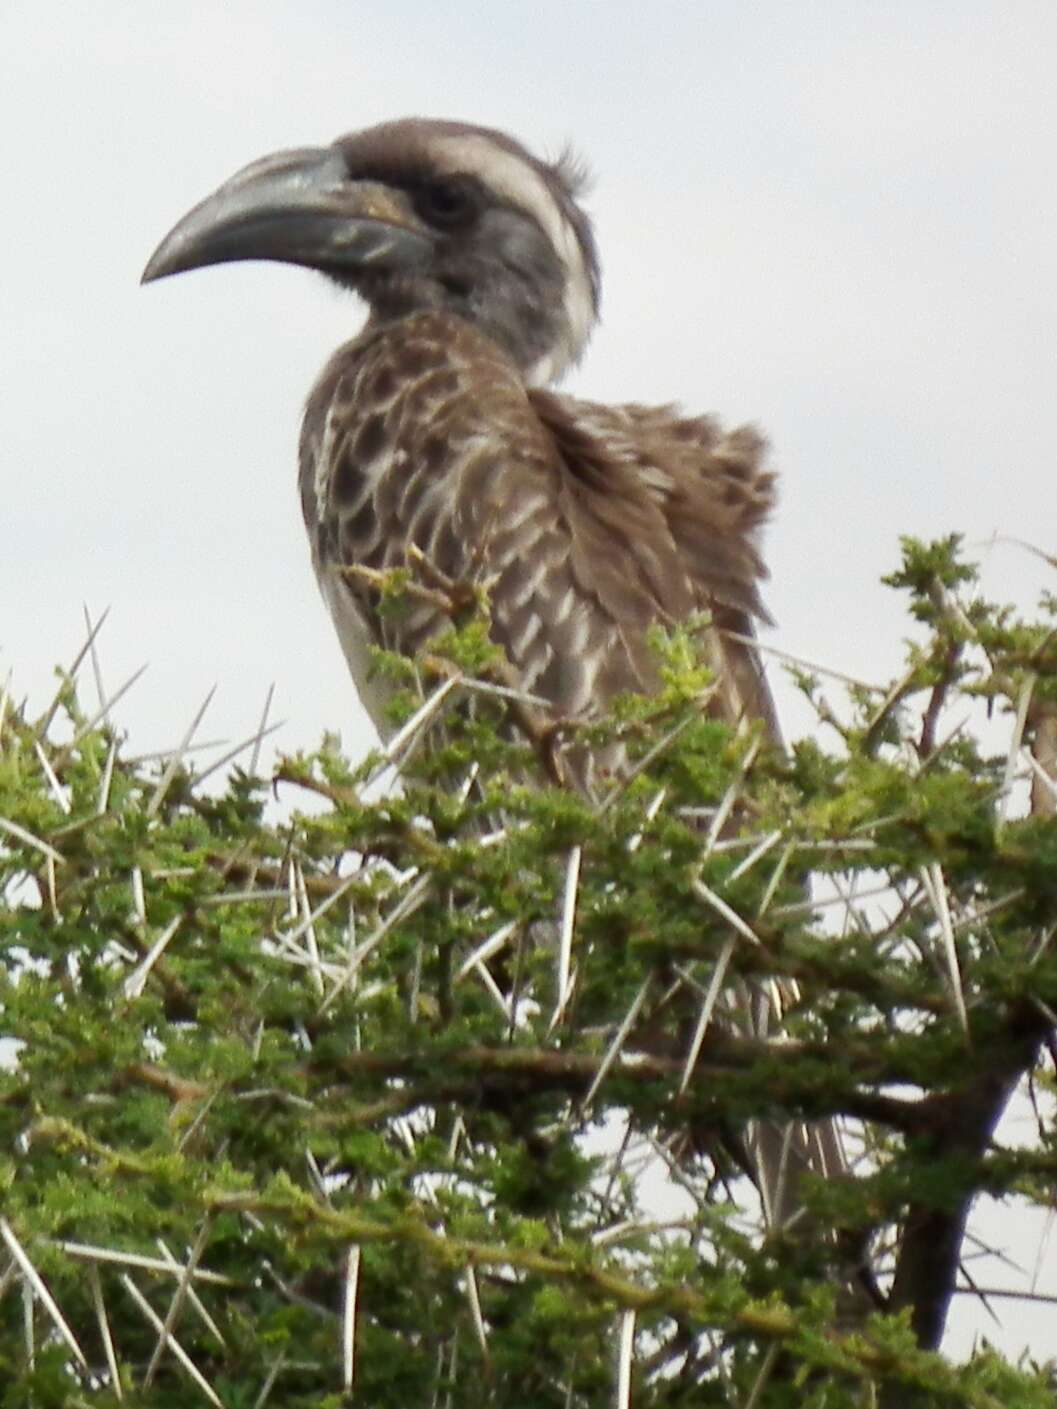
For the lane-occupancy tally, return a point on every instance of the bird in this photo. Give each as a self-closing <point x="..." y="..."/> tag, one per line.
<point x="439" y="430"/>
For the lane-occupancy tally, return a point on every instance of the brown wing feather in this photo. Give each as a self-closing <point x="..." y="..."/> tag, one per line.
<point x="686" y="501"/>
<point x="589" y="522"/>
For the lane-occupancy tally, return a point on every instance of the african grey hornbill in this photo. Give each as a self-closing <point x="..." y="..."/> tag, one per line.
<point x="436" y="429"/>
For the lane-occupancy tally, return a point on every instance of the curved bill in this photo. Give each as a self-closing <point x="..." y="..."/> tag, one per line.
<point x="298" y="207"/>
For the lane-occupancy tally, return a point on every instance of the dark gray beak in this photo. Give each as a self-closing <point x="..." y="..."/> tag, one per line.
<point x="298" y="207"/>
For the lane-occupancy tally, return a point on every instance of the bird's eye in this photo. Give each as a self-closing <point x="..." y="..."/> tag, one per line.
<point x="448" y="203"/>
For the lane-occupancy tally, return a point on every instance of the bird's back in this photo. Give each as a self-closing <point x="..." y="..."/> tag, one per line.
<point x="588" y="523"/>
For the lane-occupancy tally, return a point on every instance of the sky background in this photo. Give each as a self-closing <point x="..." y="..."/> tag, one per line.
<point x="838" y="220"/>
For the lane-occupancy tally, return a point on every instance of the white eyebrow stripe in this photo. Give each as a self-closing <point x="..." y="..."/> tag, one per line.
<point x="515" y="179"/>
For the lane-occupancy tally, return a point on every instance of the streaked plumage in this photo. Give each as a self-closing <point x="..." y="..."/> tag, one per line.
<point x="588" y="522"/>
<point x="433" y="427"/>
<point x="436" y="429"/>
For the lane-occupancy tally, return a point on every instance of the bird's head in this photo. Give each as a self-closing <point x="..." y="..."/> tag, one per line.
<point x="418" y="214"/>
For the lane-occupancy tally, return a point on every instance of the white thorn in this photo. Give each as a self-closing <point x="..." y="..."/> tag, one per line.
<point x="725" y="808"/>
<point x="315" y="1176"/>
<point x="1023" y="702"/>
<point x="292" y="936"/>
<point x="14" y="830"/>
<point x="715" y="987"/>
<point x="421" y="716"/>
<point x="136" y="980"/>
<point x="624" y="1360"/>
<point x="411" y="901"/>
<point x="96" y="668"/>
<point x="1036" y="767"/>
<point x="56" y="789"/>
<point x="722" y="908"/>
<point x="565" y="935"/>
<point x="474" y="1298"/>
<point x="176" y="757"/>
<point x="463" y="791"/>
<point x="654" y="807"/>
<point x="810" y="666"/>
<point x="807" y="907"/>
<point x="654" y="752"/>
<point x="139" y="904"/>
<point x="613" y="1050"/>
<point x="186" y="1271"/>
<point x="106" y="780"/>
<point x="775" y="881"/>
<point x="495" y="941"/>
<point x="43" y="726"/>
<point x="86" y="729"/>
<point x="311" y="946"/>
<point x="88" y="1252"/>
<point x="348" y="1315"/>
<point x="262" y="731"/>
<point x="254" y="739"/>
<point x="493" y="991"/>
<point x="104" y="1330"/>
<point x="934" y="883"/>
<point x="759" y="850"/>
<point x="36" y="1283"/>
<point x="28" y="1329"/>
<point x="269" y="1381"/>
<point x="173" y="1344"/>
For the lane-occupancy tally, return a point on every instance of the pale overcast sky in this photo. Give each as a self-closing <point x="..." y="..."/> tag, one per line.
<point x="836" y="219"/>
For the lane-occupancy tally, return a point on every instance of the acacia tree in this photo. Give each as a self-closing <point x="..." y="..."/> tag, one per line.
<point x="429" y="1094"/>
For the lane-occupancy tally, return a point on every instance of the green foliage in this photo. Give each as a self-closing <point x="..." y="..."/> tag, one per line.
<point x="276" y="1046"/>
